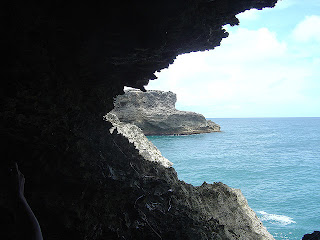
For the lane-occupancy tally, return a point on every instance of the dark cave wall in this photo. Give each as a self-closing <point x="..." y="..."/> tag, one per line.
<point x="66" y="63"/>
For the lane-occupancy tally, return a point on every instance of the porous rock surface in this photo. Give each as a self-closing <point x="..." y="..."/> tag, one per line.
<point x="154" y="113"/>
<point x="67" y="62"/>
<point x="135" y="135"/>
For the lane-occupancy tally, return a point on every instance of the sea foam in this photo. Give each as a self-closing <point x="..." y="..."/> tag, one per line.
<point x="275" y="219"/>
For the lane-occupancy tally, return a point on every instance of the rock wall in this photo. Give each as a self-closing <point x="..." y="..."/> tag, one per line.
<point x="155" y="113"/>
<point x="66" y="63"/>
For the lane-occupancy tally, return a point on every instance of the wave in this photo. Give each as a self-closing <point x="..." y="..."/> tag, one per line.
<point x="275" y="219"/>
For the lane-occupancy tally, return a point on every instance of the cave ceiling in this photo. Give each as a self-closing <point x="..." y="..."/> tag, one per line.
<point x="89" y="44"/>
<point x="67" y="61"/>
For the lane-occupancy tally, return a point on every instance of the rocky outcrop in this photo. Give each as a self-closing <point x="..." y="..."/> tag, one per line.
<point x="312" y="236"/>
<point x="135" y="135"/>
<point x="154" y="112"/>
<point x="67" y="62"/>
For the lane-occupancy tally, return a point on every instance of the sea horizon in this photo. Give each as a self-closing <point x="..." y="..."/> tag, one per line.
<point x="256" y="117"/>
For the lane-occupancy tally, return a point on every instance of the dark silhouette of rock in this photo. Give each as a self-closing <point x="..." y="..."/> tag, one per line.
<point x="67" y="61"/>
<point x="154" y="112"/>
<point x="313" y="236"/>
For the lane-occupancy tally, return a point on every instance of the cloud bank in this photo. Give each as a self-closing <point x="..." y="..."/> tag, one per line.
<point x="252" y="74"/>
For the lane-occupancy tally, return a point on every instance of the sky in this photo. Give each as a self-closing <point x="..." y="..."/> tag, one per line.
<point x="269" y="66"/>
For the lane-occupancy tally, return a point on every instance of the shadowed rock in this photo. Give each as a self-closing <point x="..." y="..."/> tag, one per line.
<point x="312" y="236"/>
<point x="67" y="62"/>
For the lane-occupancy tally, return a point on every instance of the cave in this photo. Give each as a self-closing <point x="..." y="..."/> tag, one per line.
<point x="67" y="62"/>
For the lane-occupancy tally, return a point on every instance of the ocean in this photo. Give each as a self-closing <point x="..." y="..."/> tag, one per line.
<point x="274" y="161"/>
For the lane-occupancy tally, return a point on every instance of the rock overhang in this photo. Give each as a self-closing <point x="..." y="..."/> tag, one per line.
<point x="118" y="42"/>
<point x="67" y="62"/>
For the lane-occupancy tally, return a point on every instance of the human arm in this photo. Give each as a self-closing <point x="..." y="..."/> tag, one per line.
<point x="27" y="224"/>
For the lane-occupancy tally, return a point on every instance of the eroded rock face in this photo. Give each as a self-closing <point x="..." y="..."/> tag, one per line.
<point x="155" y="113"/>
<point x="135" y="135"/>
<point x="67" y="62"/>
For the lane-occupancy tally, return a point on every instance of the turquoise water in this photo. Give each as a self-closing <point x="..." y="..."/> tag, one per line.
<point x="274" y="161"/>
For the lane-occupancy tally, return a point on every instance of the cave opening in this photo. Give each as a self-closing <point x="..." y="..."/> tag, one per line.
<point x="83" y="180"/>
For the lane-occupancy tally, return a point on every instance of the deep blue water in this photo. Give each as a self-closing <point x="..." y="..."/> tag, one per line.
<point x="274" y="161"/>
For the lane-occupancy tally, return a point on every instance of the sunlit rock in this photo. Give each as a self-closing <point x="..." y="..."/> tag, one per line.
<point x="135" y="135"/>
<point x="155" y="113"/>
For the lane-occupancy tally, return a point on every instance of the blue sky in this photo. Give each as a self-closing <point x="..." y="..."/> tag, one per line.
<point x="269" y="66"/>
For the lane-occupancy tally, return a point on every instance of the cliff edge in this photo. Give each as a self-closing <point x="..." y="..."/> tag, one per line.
<point x="135" y="135"/>
<point x="162" y="203"/>
<point x="154" y="113"/>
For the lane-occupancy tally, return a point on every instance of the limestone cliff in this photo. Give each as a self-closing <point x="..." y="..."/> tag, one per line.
<point x="135" y="135"/>
<point x="155" y="113"/>
<point x="67" y="61"/>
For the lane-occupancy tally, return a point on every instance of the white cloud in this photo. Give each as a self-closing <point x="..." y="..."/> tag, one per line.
<point x="308" y="30"/>
<point x="251" y="14"/>
<point x="223" y="72"/>
<point x="283" y="4"/>
<point x="251" y="74"/>
<point x="250" y="45"/>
